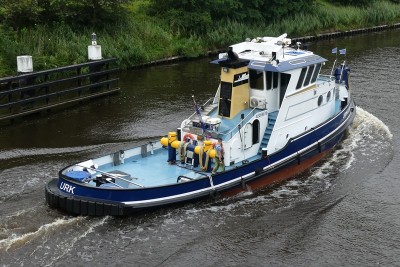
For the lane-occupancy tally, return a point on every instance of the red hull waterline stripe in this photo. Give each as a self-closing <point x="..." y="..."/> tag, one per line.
<point x="279" y="176"/>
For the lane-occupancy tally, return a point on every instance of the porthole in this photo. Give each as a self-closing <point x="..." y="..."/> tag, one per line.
<point x="328" y="96"/>
<point x="320" y="98"/>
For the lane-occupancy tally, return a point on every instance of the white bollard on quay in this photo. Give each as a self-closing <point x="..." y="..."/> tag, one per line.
<point x="94" y="50"/>
<point x="24" y="64"/>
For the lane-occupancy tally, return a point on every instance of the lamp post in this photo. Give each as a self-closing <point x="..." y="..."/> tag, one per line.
<point x="94" y="39"/>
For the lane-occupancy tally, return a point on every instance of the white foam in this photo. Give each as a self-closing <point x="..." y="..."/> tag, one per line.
<point x="368" y="124"/>
<point x="15" y="239"/>
<point x="20" y="153"/>
<point x="69" y="245"/>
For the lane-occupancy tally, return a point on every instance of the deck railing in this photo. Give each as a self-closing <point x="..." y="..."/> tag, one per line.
<point x="238" y="126"/>
<point x="215" y="134"/>
<point x="189" y="120"/>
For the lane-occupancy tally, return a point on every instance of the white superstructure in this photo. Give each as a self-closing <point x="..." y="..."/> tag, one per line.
<point x="269" y="93"/>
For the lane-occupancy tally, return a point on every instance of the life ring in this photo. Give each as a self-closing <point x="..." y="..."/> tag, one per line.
<point x="188" y="135"/>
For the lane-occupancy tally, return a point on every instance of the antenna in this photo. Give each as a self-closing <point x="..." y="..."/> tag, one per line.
<point x="334" y="51"/>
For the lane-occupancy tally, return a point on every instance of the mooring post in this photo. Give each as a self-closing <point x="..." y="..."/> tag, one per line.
<point x="24" y="66"/>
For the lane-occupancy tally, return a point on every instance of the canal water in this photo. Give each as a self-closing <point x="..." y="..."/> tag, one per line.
<point x="343" y="212"/>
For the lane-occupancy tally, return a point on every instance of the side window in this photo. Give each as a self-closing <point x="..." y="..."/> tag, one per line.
<point x="308" y="77"/>
<point x="269" y="80"/>
<point x="301" y="79"/>
<point x="275" y="83"/>
<point x="285" y="79"/>
<point x="256" y="132"/>
<point x="256" y="79"/>
<point x="320" y="99"/>
<point x="225" y="98"/>
<point x="316" y="72"/>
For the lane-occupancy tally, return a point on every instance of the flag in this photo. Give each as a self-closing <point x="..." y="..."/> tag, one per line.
<point x="342" y="51"/>
<point x="334" y="50"/>
<point x="196" y="107"/>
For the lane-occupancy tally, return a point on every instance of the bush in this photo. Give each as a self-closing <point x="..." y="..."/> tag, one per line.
<point x="200" y="16"/>
<point x="25" y="13"/>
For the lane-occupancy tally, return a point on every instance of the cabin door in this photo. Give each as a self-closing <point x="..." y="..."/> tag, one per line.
<point x="248" y="136"/>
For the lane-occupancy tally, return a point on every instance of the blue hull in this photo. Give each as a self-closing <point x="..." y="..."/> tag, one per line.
<point x="300" y="153"/>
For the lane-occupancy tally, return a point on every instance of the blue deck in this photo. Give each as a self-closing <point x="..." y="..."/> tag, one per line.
<point x="152" y="170"/>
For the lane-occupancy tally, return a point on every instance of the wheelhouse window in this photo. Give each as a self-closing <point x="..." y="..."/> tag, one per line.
<point x="301" y="78"/>
<point x="225" y="97"/>
<point x="285" y="79"/>
<point x="275" y="79"/>
<point x="316" y="72"/>
<point x="309" y="74"/>
<point x="256" y="79"/>
<point x="269" y="80"/>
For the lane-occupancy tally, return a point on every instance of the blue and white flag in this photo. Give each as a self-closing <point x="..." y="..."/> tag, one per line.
<point x="342" y="51"/>
<point x="334" y="50"/>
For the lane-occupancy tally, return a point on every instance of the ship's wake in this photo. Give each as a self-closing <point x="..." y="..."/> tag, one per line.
<point x="366" y="140"/>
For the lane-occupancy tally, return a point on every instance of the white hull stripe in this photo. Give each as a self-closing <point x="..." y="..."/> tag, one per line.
<point x="162" y="199"/>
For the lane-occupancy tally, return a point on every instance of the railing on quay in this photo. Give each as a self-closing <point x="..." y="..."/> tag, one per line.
<point x="33" y="92"/>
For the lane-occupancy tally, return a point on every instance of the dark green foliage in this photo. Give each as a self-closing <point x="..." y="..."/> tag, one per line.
<point x="25" y="13"/>
<point x="276" y="10"/>
<point x="180" y="27"/>
<point x="186" y="15"/>
<point x="8" y="51"/>
<point x="199" y="16"/>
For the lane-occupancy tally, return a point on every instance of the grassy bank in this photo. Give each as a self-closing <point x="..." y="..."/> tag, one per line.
<point x="140" y="39"/>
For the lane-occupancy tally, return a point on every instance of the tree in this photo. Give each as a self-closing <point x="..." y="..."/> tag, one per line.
<point x="197" y="16"/>
<point x="24" y="13"/>
<point x="17" y="13"/>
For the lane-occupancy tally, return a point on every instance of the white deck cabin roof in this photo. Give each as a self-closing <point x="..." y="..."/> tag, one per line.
<point x="272" y="54"/>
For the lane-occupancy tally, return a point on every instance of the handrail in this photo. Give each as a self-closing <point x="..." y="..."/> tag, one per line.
<point x="244" y="119"/>
<point x="194" y="114"/>
<point x="326" y="76"/>
<point x="188" y="120"/>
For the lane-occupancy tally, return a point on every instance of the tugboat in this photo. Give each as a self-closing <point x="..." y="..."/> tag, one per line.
<point x="273" y="116"/>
